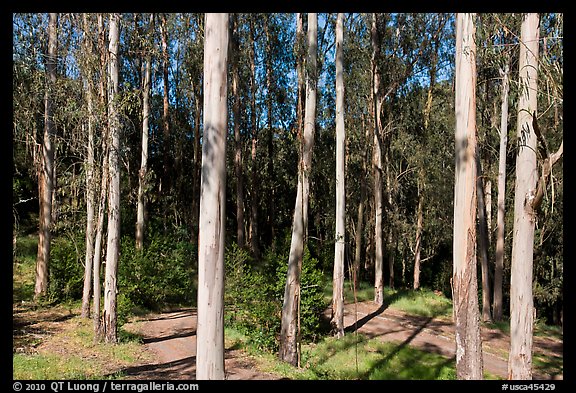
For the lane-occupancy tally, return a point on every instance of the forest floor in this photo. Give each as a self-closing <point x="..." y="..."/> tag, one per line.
<point x="171" y="338"/>
<point x="167" y="347"/>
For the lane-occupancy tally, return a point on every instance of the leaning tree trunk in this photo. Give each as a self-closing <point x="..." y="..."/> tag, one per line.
<point x="483" y="243"/>
<point x="290" y="308"/>
<point x="464" y="283"/>
<point x="521" y="297"/>
<point x="46" y="170"/>
<point x="210" y="330"/>
<point x="113" y="241"/>
<point x="339" y="246"/>
<point x="499" y="264"/>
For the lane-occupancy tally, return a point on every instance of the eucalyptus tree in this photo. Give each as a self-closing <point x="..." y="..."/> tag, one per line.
<point x="210" y="327"/>
<point x="290" y="309"/>
<point x="464" y="284"/>
<point x="46" y="172"/>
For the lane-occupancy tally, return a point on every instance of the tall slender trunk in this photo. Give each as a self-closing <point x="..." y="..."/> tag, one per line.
<point x="521" y="296"/>
<point x="142" y="184"/>
<point x="483" y="242"/>
<point x="166" y="178"/>
<point x="339" y="246"/>
<point x="113" y="239"/>
<point x="255" y="188"/>
<point x="46" y="168"/>
<point x="377" y="168"/>
<point x="270" y="139"/>
<point x="238" y="166"/>
<point x="361" y="203"/>
<point x="419" y="228"/>
<point x="197" y="165"/>
<point x="290" y="309"/>
<point x="90" y="186"/>
<point x="499" y="264"/>
<point x="464" y="283"/>
<point x="210" y="329"/>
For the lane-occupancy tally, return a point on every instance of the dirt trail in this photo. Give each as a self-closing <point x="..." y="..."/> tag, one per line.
<point x="171" y="339"/>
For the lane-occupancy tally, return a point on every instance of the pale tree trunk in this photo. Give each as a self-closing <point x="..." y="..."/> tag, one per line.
<point x="290" y="309"/>
<point x="113" y="241"/>
<point x="464" y="283"/>
<point x="361" y="203"/>
<point x="499" y="264"/>
<point x="240" y="238"/>
<point x="377" y="168"/>
<point x="46" y="169"/>
<point x="483" y="243"/>
<point x="210" y="329"/>
<point x="521" y="297"/>
<point x="165" y="109"/>
<point x="90" y="189"/>
<point x="141" y="209"/>
<point x="97" y="292"/>
<point x="339" y="246"/>
<point x="418" y="246"/>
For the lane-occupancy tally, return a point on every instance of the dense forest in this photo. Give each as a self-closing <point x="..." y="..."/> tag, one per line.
<point x="245" y="164"/>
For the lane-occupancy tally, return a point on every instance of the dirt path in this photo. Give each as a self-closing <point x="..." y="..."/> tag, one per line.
<point x="171" y="339"/>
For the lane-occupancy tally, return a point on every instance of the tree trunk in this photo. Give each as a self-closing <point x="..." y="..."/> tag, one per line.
<point x="90" y="186"/>
<point x="210" y="330"/>
<point x="270" y="139"/>
<point x="377" y="168"/>
<point x="240" y="238"/>
<point x="46" y="172"/>
<point x="521" y="297"/>
<point x="361" y="203"/>
<point x="290" y="308"/>
<point x="483" y="243"/>
<point x="339" y="247"/>
<point x="113" y="240"/>
<point x="142" y="185"/>
<point x="418" y="246"/>
<point x="165" y="109"/>
<point x="255" y="189"/>
<point x="464" y="283"/>
<point x="499" y="265"/>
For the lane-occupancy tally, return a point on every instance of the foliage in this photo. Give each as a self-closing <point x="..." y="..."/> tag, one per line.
<point x="66" y="269"/>
<point x="163" y="273"/>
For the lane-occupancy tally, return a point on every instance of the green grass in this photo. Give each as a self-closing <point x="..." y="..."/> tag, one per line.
<point x="23" y="265"/>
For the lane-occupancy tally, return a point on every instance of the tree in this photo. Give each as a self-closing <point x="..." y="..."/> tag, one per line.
<point x="113" y="240"/>
<point x="210" y="328"/>
<point x="339" y="246"/>
<point x="142" y="184"/>
<point x="46" y="169"/>
<point x="521" y="297"/>
<point x="464" y="284"/>
<point x="290" y="308"/>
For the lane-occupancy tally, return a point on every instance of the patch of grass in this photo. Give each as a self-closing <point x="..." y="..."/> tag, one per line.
<point x="543" y="330"/>
<point x="72" y="354"/>
<point x="23" y="265"/>
<point x="422" y="302"/>
<point x="548" y="365"/>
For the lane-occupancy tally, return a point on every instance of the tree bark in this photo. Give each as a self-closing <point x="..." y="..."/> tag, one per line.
<point x="46" y="172"/>
<point x="483" y="243"/>
<point x="113" y="241"/>
<point x="339" y="246"/>
<point x="210" y="329"/>
<point x="377" y="168"/>
<point x="255" y="189"/>
<point x="165" y="106"/>
<point x="90" y="182"/>
<point x="142" y="184"/>
<point x="290" y="309"/>
<point x="464" y="282"/>
<point x="418" y="246"/>
<point x="521" y="297"/>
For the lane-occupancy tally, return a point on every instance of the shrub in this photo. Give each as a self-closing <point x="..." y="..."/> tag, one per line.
<point x="66" y="269"/>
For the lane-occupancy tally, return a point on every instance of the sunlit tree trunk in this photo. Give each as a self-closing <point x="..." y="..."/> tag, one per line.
<point x="290" y="308"/>
<point x="339" y="247"/>
<point x="521" y="296"/>
<point x="377" y="170"/>
<point x="464" y="282"/>
<point x="210" y="329"/>
<point x="142" y="185"/>
<point x="418" y="245"/>
<point x="90" y="186"/>
<point x="46" y="168"/>
<point x="113" y="240"/>
<point x="499" y="264"/>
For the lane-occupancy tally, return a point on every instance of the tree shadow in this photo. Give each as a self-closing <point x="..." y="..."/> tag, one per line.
<point x="175" y="369"/>
<point x="182" y="334"/>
